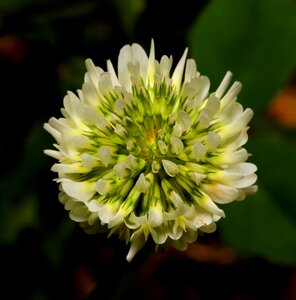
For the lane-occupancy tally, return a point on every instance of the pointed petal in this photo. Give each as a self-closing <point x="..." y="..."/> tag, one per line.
<point x="137" y="242"/>
<point x="113" y="76"/>
<point x="151" y="65"/>
<point x="141" y="184"/>
<point x="178" y="72"/>
<point x="223" y="85"/>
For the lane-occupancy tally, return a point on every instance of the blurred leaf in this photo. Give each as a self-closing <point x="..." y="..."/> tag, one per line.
<point x="55" y="243"/>
<point x="254" y="39"/>
<point x="71" y="73"/>
<point x="18" y="206"/>
<point x="23" y="177"/>
<point x="12" y="4"/>
<point x="257" y="227"/>
<point x="265" y="224"/>
<point x="72" y="10"/>
<point x="274" y="154"/>
<point x="17" y="217"/>
<point x="129" y="11"/>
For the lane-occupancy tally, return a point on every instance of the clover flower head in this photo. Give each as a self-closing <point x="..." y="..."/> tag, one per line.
<point x="150" y="153"/>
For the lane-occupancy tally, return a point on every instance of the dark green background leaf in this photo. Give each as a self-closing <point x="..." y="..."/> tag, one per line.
<point x="253" y="39"/>
<point x="257" y="227"/>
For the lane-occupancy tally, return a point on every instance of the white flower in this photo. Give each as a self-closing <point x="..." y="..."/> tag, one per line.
<point x="149" y="152"/>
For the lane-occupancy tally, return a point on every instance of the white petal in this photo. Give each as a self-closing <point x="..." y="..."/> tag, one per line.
<point x="237" y="125"/>
<point x="163" y="148"/>
<point x="102" y="123"/>
<point x="250" y="190"/>
<point x="206" y="202"/>
<point x="177" y="146"/>
<point x="184" y="120"/>
<point x="170" y="168"/>
<point x="108" y="211"/>
<point x="79" y="141"/>
<point x="87" y="160"/>
<point x="121" y="170"/>
<point x="202" y="217"/>
<point x="73" y="105"/>
<point x="81" y="191"/>
<point x="199" y="150"/>
<point x="221" y="193"/>
<point x="53" y="153"/>
<point x="120" y="130"/>
<point x="155" y="215"/>
<point x="178" y="72"/>
<point x="246" y="181"/>
<point x="113" y="76"/>
<point x="198" y="177"/>
<point x="131" y="161"/>
<point x="177" y="130"/>
<point x="131" y="54"/>
<point x="130" y="145"/>
<point x="67" y="168"/>
<point x="56" y="134"/>
<point x="134" y="221"/>
<point x="105" y="155"/>
<point x="165" y="65"/>
<point x="176" y="230"/>
<point x="212" y="106"/>
<point x="209" y="228"/>
<point x="137" y="242"/>
<point x="65" y="200"/>
<point x="155" y="166"/>
<point x="159" y="236"/>
<point x="223" y="85"/>
<point x="140" y="56"/>
<point x="103" y="186"/>
<point x="243" y="168"/>
<point x="93" y="72"/>
<point x="177" y="200"/>
<point x="213" y="140"/>
<point x="79" y="212"/>
<point x="141" y="184"/>
<point x="90" y="94"/>
<point x="120" y="106"/>
<point x="229" y="158"/>
<point x="90" y="115"/>
<point x="151" y="65"/>
<point x="93" y="206"/>
<point x="190" y="70"/>
<point x="203" y="120"/>
<point x="204" y="86"/>
<point x="231" y="94"/>
<point x="105" y="84"/>
<point x="117" y="219"/>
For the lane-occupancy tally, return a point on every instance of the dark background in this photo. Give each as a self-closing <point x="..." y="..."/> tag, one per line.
<point x="43" y="47"/>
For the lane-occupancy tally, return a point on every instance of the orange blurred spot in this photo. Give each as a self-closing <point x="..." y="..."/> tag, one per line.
<point x="216" y="253"/>
<point x="283" y="108"/>
<point x="151" y="137"/>
<point x="13" y="48"/>
<point x="84" y="281"/>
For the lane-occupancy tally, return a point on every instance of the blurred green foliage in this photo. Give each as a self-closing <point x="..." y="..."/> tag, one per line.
<point x="253" y="39"/>
<point x="256" y="41"/>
